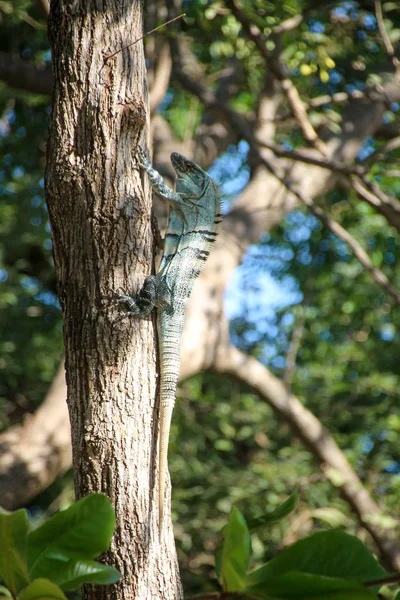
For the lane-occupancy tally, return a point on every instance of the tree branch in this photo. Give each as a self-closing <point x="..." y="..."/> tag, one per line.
<point x="208" y="98"/>
<point x="390" y="146"/>
<point x="45" y="7"/>
<point x="378" y="276"/>
<point x="306" y="157"/>
<point x="385" y="38"/>
<point x="33" y="454"/>
<point x="161" y="77"/>
<point x="22" y="75"/>
<point x="291" y="92"/>
<point x="355" y="174"/>
<point x="230" y="361"/>
<point x="389" y="207"/>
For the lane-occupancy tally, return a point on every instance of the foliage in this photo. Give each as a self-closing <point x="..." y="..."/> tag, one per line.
<point x="31" y="340"/>
<point x="327" y="564"/>
<point x="58" y="555"/>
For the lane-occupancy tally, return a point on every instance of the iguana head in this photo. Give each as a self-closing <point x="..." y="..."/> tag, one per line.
<point x="191" y="179"/>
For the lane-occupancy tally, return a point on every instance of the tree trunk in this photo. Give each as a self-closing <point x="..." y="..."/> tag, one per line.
<point x="103" y="243"/>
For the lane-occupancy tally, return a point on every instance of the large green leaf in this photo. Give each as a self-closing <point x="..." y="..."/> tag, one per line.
<point x="81" y="532"/>
<point x="301" y="586"/>
<point x="13" y="538"/>
<point x="235" y="552"/>
<point x="328" y="553"/>
<point x="279" y="513"/>
<point x="42" y="589"/>
<point x="72" y="574"/>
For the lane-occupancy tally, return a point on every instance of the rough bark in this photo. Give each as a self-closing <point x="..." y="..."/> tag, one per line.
<point x="103" y="243"/>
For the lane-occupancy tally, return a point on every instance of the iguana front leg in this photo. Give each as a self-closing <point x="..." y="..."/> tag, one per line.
<point x="154" y="292"/>
<point x="157" y="182"/>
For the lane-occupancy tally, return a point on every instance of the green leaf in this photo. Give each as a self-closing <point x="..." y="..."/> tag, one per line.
<point x="13" y="537"/>
<point x="4" y="592"/>
<point x="235" y="552"/>
<point x="218" y="562"/>
<point x="279" y="513"/>
<point x="327" y="553"/>
<point x="42" y="589"/>
<point x="80" y="533"/>
<point x="74" y="573"/>
<point x="301" y="586"/>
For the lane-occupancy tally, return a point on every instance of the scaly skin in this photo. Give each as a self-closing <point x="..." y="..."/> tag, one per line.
<point x="192" y="229"/>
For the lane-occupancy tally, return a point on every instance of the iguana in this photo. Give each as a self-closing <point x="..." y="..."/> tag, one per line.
<point x="192" y="228"/>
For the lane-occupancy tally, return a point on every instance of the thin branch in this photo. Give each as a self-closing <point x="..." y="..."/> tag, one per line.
<point x="337" y="98"/>
<point x="376" y="94"/>
<point x="389" y="207"/>
<point x="297" y="105"/>
<point x="318" y="101"/>
<point x="34" y="23"/>
<point x="391" y="145"/>
<point x="369" y="191"/>
<point x="106" y="58"/>
<point x="385" y="38"/>
<point x="378" y="275"/>
<point x="304" y="156"/>
<point x="288" y="24"/>
<point x="387" y="131"/>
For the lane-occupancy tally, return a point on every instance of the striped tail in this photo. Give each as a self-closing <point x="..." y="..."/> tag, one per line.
<point x="165" y="425"/>
<point x="171" y="325"/>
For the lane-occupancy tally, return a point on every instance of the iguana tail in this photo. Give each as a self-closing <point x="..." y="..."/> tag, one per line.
<point x="165" y="425"/>
<point x="170" y="335"/>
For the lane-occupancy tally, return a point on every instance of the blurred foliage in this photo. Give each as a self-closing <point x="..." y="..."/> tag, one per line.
<point x="227" y="446"/>
<point x="30" y="341"/>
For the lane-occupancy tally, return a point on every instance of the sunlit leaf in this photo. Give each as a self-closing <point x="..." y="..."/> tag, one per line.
<point x="81" y="532"/>
<point x="235" y="552"/>
<point x="42" y="589"/>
